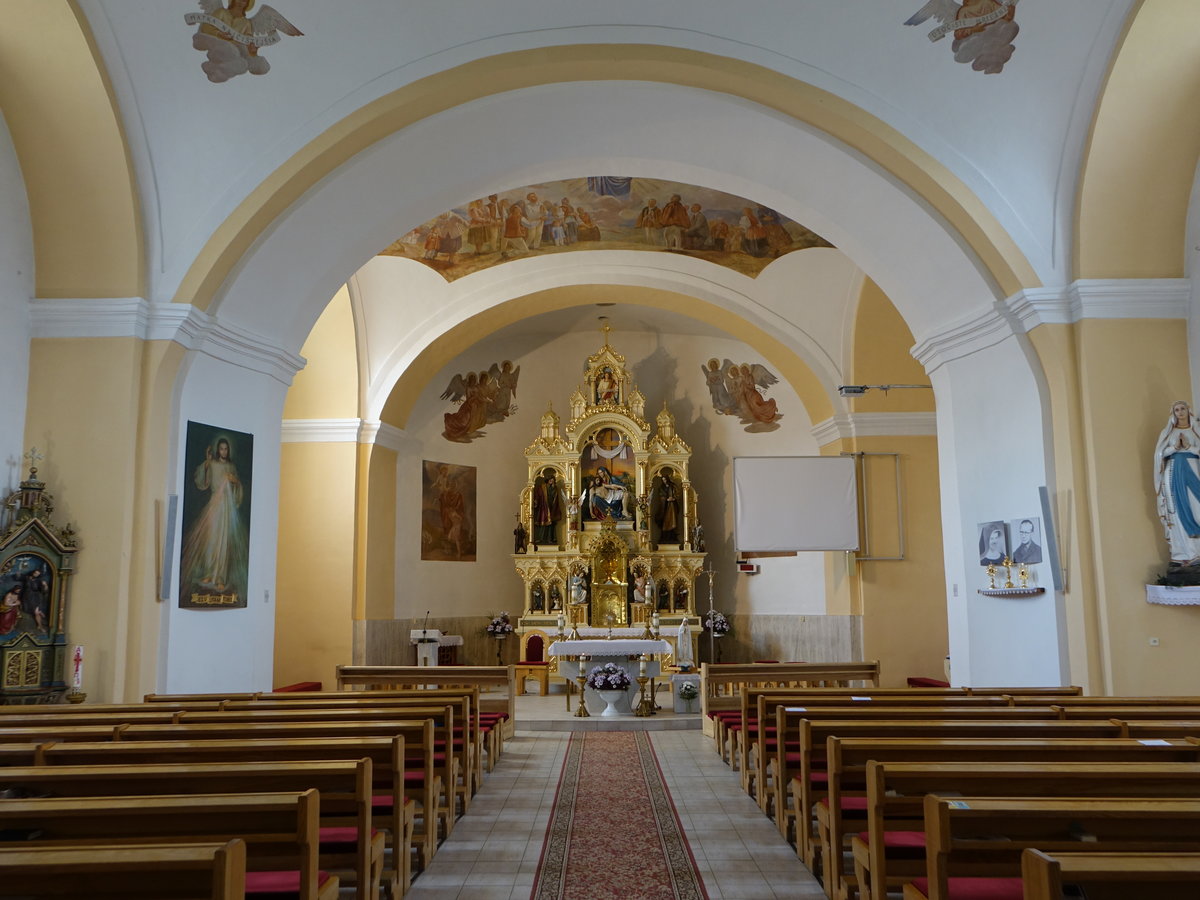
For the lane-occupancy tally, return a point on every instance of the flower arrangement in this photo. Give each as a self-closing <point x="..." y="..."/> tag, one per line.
<point x="717" y="624"/>
<point x="608" y="677"/>
<point x="688" y="691"/>
<point x="500" y="626"/>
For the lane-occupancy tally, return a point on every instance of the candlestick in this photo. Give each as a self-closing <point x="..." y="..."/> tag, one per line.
<point x="642" y="664"/>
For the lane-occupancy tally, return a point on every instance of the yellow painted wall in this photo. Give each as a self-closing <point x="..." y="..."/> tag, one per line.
<point x="1134" y="192"/>
<point x="328" y="385"/>
<point x="83" y="201"/>
<point x="315" y="572"/>
<point x="882" y="341"/>
<point x="1131" y="372"/>
<point x="84" y="398"/>
<point x="904" y="602"/>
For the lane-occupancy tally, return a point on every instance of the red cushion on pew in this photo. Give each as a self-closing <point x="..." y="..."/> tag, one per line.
<point x="848" y="803"/>
<point x="898" y="839"/>
<point x="533" y="662"/>
<point x="384" y="801"/>
<point x="297" y="687"/>
<point x="978" y="888"/>
<point x="922" y="681"/>
<point x="793" y="757"/>
<point x="277" y="884"/>
<point x="330" y="835"/>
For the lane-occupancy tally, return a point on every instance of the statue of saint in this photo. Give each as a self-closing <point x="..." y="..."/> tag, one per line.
<point x="1177" y="483"/>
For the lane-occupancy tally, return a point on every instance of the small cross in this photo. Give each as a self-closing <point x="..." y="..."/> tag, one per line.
<point x="608" y="439"/>
<point x="33" y="456"/>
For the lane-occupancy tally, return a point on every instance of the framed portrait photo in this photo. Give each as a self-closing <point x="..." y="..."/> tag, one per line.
<point x="993" y="543"/>
<point x="1027" y="540"/>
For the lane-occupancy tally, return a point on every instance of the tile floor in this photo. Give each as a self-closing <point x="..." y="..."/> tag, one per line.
<point x="494" y="849"/>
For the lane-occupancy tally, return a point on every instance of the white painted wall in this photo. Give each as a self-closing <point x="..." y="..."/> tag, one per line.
<point x="992" y="459"/>
<point x="232" y="649"/>
<point x="16" y="292"/>
<point x="665" y="367"/>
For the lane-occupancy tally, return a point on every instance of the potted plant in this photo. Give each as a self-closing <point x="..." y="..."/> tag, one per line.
<point x="610" y="682"/>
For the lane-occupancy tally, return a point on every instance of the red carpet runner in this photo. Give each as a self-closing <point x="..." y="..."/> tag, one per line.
<point x="614" y="831"/>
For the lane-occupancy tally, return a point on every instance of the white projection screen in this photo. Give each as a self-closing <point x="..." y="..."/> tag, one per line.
<point x="789" y="503"/>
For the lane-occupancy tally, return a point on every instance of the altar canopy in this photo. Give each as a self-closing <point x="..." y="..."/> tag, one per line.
<point x="611" y="512"/>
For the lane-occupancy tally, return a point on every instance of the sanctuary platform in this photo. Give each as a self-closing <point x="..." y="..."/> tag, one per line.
<point x="550" y="713"/>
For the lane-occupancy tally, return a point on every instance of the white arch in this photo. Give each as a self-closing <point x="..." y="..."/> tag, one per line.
<point x="660" y="131"/>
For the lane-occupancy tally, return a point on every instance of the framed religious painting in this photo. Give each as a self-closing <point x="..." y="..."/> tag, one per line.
<point x="37" y="559"/>
<point x="214" y="559"/>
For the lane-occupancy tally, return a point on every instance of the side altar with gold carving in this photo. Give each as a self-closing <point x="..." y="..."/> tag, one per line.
<point x="610" y="512"/>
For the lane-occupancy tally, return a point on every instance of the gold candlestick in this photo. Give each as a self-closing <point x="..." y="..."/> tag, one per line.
<point x="1023" y="575"/>
<point x="645" y="705"/>
<point x="1008" y="582"/>
<point x="991" y="574"/>
<point x="582" y="712"/>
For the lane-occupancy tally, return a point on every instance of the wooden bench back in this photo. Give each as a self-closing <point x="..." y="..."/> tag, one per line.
<point x="497" y="684"/>
<point x="209" y="871"/>
<point x="1111" y="876"/>
<point x="280" y="829"/>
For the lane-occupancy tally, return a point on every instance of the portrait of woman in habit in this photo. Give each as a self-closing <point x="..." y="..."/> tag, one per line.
<point x="993" y="545"/>
<point x="215" y="557"/>
<point x="1177" y="483"/>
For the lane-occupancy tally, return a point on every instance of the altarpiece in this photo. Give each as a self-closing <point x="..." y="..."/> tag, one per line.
<point x="610" y="511"/>
<point x="37" y="560"/>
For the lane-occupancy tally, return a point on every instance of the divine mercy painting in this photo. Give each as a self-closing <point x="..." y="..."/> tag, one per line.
<point x="447" y="512"/>
<point x="215" y="557"/>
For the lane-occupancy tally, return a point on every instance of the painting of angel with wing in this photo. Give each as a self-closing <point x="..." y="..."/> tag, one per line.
<point x="504" y="376"/>
<point x="716" y="375"/>
<point x="758" y="413"/>
<point x="232" y="39"/>
<point x="984" y="30"/>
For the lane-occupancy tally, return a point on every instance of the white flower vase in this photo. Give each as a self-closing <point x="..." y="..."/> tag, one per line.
<point x="611" y="698"/>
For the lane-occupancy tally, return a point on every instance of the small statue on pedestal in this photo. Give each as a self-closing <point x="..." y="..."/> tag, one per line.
<point x="520" y="538"/>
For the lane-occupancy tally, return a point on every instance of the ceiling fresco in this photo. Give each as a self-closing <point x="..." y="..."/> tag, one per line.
<point x="605" y="213"/>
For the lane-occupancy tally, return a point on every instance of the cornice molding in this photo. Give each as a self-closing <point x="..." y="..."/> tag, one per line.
<point x="345" y="431"/>
<point x="964" y="337"/>
<point x="844" y="426"/>
<point x="124" y="317"/>
<point x="1113" y="298"/>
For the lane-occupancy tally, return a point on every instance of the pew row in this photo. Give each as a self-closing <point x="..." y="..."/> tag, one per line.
<point x="892" y="848"/>
<point x="280" y="830"/>
<point x="1111" y="876"/>
<point x="209" y="871"/>
<point x="975" y="844"/>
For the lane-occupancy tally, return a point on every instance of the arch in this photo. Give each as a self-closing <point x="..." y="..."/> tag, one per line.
<point x="878" y="143"/>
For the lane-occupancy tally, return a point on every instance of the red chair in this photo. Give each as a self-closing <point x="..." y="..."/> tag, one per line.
<point x="533" y="663"/>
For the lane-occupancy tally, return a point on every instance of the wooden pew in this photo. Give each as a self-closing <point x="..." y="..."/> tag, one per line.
<point x="758" y="741"/>
<point x="809" y="761"/>
<point x="721" y="685"/>
<point x="210" y="871"/>
<point x="953" y="828"/>
<point x="280" y="829"/>
<point x="891" y="850"/>
<point x="1111" y="876"/>
<point x="445" y="767"/>
<point x="1159" y="728"/>
<point x="489" y="679"/>
<point x="388" y="767"/>
<point x="346" y="789"/>
<point x="869" y="710"/>
<point x="467" y="781"/>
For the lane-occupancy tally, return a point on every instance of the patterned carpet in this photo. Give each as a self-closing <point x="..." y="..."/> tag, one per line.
<point x="614" y="831"/>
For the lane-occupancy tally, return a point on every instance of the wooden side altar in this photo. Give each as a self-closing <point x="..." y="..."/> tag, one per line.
<point x="610" y="513"/>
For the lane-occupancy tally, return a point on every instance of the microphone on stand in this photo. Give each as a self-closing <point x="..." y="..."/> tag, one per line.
<point x="425" y="627"/>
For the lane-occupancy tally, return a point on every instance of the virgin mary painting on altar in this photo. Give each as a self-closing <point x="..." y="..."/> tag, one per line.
<point x="607" y="478"/>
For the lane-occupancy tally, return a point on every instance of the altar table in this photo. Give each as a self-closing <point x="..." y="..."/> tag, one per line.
<point x="622" y="652"/>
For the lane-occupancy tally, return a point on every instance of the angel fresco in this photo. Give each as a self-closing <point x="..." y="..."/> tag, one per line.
<point x="984" y="30"/>
<point x="232" y="39"/>
<point x="484" y="398"/>
<point x="735" y="391"/>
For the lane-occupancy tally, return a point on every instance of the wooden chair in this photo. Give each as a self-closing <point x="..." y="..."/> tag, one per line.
<point x="533" y="662"/>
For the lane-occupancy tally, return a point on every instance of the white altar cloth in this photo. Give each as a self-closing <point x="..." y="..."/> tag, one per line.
<point x="602" y="648"/>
